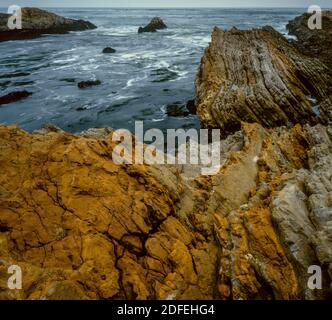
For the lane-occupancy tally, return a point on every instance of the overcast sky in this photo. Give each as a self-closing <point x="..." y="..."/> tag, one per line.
<point x="167" y="3"/>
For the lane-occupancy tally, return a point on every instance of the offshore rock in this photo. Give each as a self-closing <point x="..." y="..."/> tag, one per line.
<point x="109" y="50"/>
<point x="14" y="96"/>
<point x="88" y="84"/>
<point x="155" y="24"/>
<point x="257" y="76"/>
<point x="81" y="227"/>
<point x="36" y="22"/>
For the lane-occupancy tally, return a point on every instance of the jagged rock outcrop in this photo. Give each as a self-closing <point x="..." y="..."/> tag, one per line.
<point x="82" y="227"/>
<point x="36" y="22"/>
<point x="316" y="43"/>
<point x="258" y="76"/>
<point x="155" y="24"/>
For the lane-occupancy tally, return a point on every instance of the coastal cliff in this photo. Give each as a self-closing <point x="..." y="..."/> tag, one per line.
<point x="82" y="227"/>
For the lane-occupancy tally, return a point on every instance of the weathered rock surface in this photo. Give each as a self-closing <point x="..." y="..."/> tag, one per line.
<point x="82" y="227"/>
<point x="36" y="22"/>
<point x="14" y="96"/>
<point x="315" y="43"/>
<point x="257" y="76"/>
<point x="155" y="24"/>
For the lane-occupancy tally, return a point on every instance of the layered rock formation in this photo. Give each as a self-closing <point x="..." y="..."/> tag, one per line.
<point x="316" y="43"/>
<point x="36" y="22"/>
<point x="81" y="227"/>
<point x="258" y="76"/>
<point x="155" y="24"/>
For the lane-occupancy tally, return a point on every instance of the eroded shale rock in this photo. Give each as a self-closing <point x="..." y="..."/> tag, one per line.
<point x="82" y="227"/>
<point x="257" y="76"/>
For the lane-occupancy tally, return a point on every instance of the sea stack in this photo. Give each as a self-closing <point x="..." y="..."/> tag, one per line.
<point x="155" y="24"/>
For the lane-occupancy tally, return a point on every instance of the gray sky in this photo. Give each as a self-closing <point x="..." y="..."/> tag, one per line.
<point x="167" y="3"/>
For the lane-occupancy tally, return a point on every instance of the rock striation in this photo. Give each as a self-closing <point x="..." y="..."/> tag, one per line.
<point x="257" y="76"/>
<point x="155" y="24"/>
<point x="36" y="22"/>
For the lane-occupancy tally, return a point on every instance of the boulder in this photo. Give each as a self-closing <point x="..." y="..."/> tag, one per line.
<point x="36" y="22"/>
<point x="88" y="83"/>
<point x="109" y="50"/>
<point x="14" y="96"/>
<point x="155" y="24"/>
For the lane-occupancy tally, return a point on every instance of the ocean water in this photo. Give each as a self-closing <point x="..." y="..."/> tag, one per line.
<point x="148" y="71"/>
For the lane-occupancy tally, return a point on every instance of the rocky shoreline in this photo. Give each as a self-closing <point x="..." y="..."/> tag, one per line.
<point x="82" y="227"/>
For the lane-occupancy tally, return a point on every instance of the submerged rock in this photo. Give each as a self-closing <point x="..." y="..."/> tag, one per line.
<point x="155" y="24"/>
<point x="14" y="96"/>
<point x="177" y="109"/>
<point x="258" y="76"/>
<point x="318" y="42"/>
<point x="109" y="50"/>
<point x="89" y="83"/>
<point x="36" y="22"/>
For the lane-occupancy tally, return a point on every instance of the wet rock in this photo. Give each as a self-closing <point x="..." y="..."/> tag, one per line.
<point x="177" y="110"/>
<point x="191" y="106"/>
<point x="109" y="50"/>
<point x="315" y="43"/>
<point x="14" y="96"/>
<point x="155" y="24"/>
<point x="88" y="84"/>
<point x="36" y="22"/>
<point x="268" y="81"/>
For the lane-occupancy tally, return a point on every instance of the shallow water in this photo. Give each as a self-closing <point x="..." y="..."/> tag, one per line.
<point x="148" y="71"/>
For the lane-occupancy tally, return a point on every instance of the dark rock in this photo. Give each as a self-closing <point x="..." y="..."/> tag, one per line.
<point x="14" y="96"/>
<point x="155" y="24"/>
<point x="191" y="106"/>
<point x="109" y="50"/>
<point x="315" y="43"/>
<point x="89" y="83"/>
<point x="36" y="22"/>
<point x="177" y="109"/>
